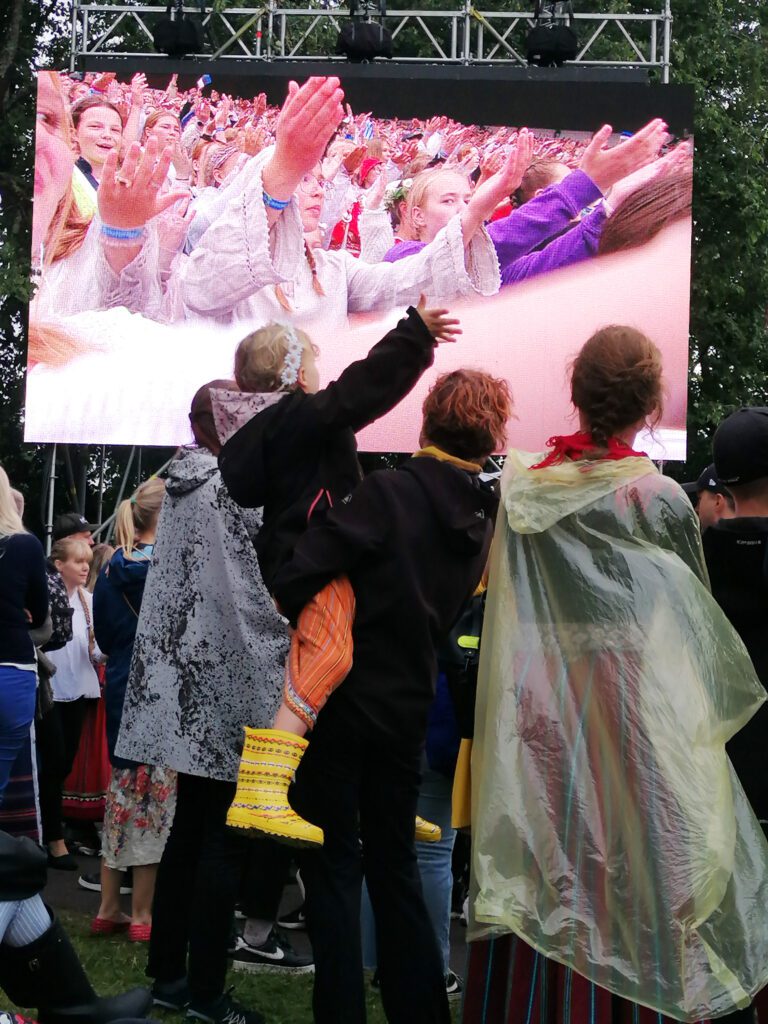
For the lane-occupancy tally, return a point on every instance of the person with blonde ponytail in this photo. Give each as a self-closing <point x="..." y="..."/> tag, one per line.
<point x="23" y="606"/>
<point x="141" y="799"/>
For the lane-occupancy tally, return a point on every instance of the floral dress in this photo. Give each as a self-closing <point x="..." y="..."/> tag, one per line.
<point x="141" y="803"/>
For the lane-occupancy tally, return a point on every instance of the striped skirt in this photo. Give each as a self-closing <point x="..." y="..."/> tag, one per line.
<point x="508" y="982"/>
<point x="321" y="650"/>
<point x="20" y="814"/>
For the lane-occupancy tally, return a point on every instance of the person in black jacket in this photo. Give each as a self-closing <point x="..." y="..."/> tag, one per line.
<point x="736" y="552"/>
<point x="298" y="458"/>
<point x="23" y="605"/>
<point x="413" y="543"/>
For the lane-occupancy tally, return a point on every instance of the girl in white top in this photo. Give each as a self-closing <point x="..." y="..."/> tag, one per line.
<point x="75" y="673"/>
<point x="74" y="683"/>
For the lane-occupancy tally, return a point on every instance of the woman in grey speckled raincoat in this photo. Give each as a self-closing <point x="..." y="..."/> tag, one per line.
<point x="209" y="656"/>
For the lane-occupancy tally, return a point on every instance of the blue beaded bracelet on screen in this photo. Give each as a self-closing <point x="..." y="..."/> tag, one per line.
<point x="274" y="204"/>
<point x="122" y="234"/>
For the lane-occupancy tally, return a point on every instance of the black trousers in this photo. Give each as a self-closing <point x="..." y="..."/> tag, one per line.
<point x="204" y="869"/>
<point x="362" y="792"/>
<point x="57" y="736"/>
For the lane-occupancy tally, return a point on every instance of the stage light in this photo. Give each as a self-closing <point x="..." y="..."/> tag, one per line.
<point x="361" y="39"/>
<point x="553" y="40"/>
<point x="178" y="34"/>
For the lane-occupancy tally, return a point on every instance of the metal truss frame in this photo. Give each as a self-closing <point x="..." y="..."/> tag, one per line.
<point x="465" y="35"/>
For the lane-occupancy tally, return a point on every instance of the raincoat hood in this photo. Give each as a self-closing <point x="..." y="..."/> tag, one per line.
<point x="191" y="468"/>
<point x="536" y="499"/>
<point x="463" y="513"/>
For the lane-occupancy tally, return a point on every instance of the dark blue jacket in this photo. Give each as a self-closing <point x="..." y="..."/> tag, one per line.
<point x="23" y="585"/>
<point x="117" y="599"/>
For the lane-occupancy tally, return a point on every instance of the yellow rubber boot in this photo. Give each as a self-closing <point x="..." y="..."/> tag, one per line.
<point x="426" y="832"/>
<point x="267" y="767"/>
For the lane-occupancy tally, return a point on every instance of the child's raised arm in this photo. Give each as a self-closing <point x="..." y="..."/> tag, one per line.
<point x="370" y="387"/>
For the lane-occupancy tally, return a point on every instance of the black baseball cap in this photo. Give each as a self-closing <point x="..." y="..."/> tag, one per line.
<point x="740" y="446"/>
<point x="69" y="523"/>
<point x="708" y="481"/>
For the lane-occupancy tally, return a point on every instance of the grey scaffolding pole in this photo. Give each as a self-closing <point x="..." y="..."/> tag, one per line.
<point x="466" y="34"/>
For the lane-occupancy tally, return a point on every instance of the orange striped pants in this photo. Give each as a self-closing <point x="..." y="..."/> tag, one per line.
<point x="321" y="650"/>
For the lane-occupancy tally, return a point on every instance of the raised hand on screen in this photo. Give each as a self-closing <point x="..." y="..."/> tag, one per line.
<point x="441" y="326"/>
<point x="491" y="163"/>
<point x="373" y="197"/>
<point x="138" y="88"/>
<point x="679" y="159"/>
<point x="407" y="152"/>
<point x="182" y="162"/>
<point x="172" y="89"/>
<point x="606" y="164"/>
<point x="254" y="140"/>
<point x="173" y="225"/>
<point x="102" y="82"/>
<point x="354" y="159"/>
<point x="307" y="120"/>
<point x="506" y="180"/>
<point x="128" y="198"/>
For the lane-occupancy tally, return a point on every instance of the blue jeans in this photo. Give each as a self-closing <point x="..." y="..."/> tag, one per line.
<point x="17" y="711"/>
<point x="434" y="867"/>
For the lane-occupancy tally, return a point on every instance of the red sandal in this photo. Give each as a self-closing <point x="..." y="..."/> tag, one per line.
<point x="103" y="926"/>
<point x="139" y="932"/>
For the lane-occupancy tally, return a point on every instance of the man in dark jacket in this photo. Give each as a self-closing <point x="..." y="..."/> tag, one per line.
<point x="736" y="551"/>
<point x="413" y="543"/>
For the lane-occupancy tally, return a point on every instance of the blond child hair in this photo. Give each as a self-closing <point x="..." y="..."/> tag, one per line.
<point x="260" y="359"/>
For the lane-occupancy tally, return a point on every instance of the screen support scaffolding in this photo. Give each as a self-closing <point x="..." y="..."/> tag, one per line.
<point x="463" y="35"/>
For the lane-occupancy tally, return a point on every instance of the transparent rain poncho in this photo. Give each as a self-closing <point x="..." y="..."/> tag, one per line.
<point x="609" y="829"/>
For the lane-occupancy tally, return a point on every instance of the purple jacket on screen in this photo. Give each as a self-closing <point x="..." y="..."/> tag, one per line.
<point x="547" y="215"/>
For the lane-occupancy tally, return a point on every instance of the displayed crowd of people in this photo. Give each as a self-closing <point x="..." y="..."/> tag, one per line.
<point x="285" y="662"/>
<point x="178" y="221"/>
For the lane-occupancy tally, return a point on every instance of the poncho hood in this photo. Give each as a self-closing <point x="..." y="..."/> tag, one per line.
<point x="536" y="499"/>
<point x="463" y="513"/>
<point x="190" y="469"/>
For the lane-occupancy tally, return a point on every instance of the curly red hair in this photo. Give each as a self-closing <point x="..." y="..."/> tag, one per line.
<point x="466" y="413"/>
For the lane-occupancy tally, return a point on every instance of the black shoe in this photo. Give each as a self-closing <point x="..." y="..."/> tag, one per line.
<point x="92" y="882"/>
<point x="276" y="955"/>
<point x="224" y="1010"/>
<point x="66" y="862"/>
<point x="170" y="995"/>
<point x="84" y="840"/>
<point x="453" y="985"/>
<point x="294" y="920"/>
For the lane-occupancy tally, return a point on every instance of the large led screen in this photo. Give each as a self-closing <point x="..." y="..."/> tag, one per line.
<point x="147" y="275"/>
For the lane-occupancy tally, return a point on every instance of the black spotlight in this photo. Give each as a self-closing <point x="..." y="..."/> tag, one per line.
<point x="361" y="39"/>
<point x="552" y="40"/>
<point x="178" y="34"/>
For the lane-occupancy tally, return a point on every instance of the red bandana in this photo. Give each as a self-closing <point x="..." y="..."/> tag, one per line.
<point x="580" y="446"/>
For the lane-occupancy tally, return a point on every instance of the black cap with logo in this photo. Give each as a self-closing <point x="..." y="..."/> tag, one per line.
<point x="740" y="446"/>
<point x="708" y="481"/>
<point x="69" y="523"/>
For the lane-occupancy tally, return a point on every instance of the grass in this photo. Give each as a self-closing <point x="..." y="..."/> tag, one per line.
<point x="114" y="964"/>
